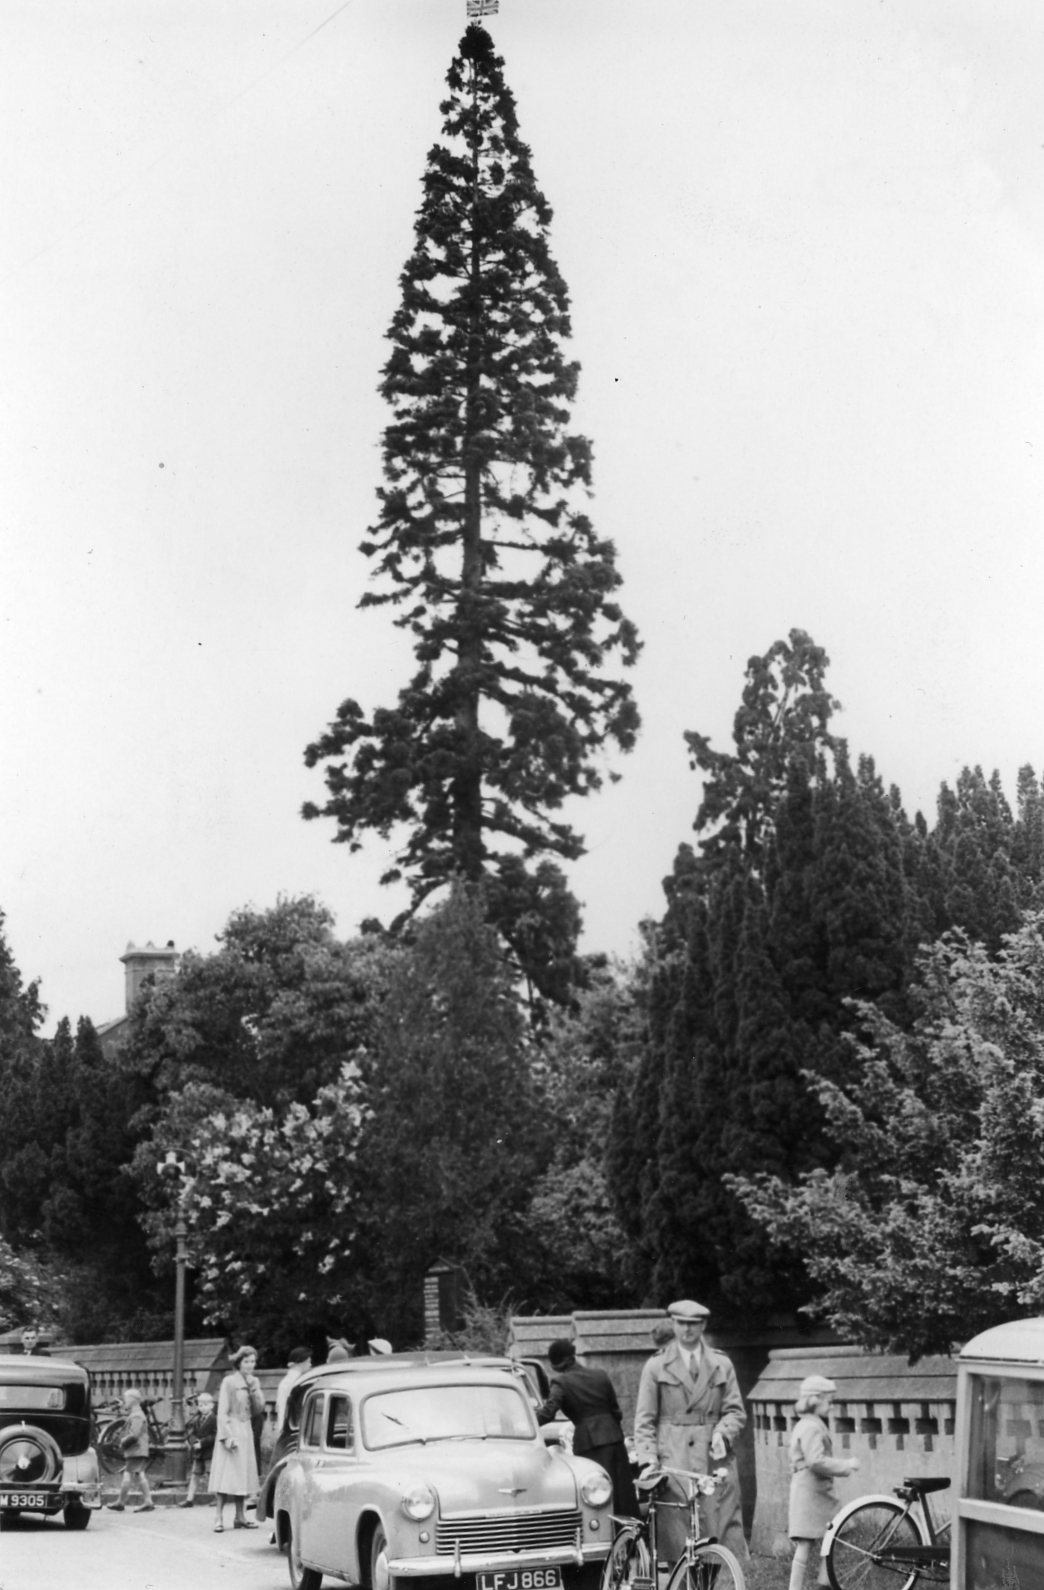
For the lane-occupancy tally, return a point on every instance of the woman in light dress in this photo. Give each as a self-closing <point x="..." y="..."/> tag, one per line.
<point x="233" y="1469"/>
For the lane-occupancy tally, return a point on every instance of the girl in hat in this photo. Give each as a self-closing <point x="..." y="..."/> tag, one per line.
<point x="814" y="1468"/>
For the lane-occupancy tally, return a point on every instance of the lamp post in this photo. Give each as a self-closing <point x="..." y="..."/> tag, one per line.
<point x="175" y="1464"/>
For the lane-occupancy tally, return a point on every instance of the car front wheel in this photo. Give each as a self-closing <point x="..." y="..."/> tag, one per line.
<point x="76" y="1516"/>
<point x="301" y="1578"/>
<point x="380" y="1578"/>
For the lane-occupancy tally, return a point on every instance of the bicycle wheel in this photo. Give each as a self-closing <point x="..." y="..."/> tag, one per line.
<point x="713" y="1568"/>
<point x="858" y="1554"/>
<point x="628" y="1561"/>
<point x="110" y="1452"/>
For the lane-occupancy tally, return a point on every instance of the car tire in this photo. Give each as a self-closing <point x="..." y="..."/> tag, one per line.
<point x="301" y="1578"/>
<point x="380" y="1578"/>
<point x="76" y="1515"/>
<point x="28" y="1456"/>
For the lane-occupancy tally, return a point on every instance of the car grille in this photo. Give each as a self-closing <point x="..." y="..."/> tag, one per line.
<point x="508" y="1532"/>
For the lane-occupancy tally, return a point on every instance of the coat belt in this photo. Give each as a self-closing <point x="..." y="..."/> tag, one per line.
<point x="688" y="1418"/>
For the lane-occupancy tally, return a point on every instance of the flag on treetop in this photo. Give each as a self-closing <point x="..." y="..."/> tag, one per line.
<point x="483" y="8"/>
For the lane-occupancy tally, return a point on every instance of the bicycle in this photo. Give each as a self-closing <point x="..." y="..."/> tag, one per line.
<point x="109" y="1443"/>
<point x="633" y="1561"/>
<point x="889" y="1542"/>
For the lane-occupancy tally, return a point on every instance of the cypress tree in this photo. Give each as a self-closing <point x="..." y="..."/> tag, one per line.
<point x="481" y="547"/>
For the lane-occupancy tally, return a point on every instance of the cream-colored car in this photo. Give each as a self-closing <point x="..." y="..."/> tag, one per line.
<point x="436" y="1472"/>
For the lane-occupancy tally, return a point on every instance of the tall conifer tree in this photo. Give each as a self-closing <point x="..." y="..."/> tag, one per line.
<point x="482" y="547"/>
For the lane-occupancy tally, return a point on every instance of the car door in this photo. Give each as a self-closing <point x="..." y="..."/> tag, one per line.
<point x="332" y="1525"/>
<point x="308" y="1461"/>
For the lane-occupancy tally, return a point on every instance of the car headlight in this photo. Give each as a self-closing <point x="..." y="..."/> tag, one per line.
<point x="596" y="1490"/>
<point x="418" y="1502"/>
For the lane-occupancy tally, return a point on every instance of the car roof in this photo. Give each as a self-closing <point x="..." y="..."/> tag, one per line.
<point x="381" y="1375"/>
<point x="29" y="1369"/>
<point x="398" y="1362"/>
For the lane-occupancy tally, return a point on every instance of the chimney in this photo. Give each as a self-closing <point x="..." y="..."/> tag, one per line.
<point x="147" y="961"/>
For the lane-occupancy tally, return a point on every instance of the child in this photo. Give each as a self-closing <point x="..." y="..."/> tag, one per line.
<point x="201" y="1432"/>
<point x="135" y="1444"/>
<point x="813" y="1502"/>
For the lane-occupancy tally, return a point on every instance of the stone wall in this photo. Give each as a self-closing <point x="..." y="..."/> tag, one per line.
<point x="896" y="1418"/>
<point x="149" y="1368"/>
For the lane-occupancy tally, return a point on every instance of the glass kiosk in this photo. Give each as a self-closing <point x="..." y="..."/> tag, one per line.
<point x="998" y="1522"/>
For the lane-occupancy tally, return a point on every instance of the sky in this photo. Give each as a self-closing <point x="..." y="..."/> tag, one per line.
<point x="804" y="243"/>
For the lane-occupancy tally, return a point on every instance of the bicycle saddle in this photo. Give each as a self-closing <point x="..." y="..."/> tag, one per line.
<point x="924" y="1486"/>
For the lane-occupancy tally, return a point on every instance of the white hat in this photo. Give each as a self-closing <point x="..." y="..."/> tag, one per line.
<point x="815" y="1386"/>
<point x="379" y="1345"/>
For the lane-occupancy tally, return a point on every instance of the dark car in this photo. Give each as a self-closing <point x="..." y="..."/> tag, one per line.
<point x="47" y="1462"/>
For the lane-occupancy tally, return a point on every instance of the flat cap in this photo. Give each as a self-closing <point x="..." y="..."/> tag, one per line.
<point x="687" y="1309"/>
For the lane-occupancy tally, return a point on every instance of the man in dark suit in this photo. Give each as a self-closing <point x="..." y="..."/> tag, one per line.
<point x="587" y="1397"/>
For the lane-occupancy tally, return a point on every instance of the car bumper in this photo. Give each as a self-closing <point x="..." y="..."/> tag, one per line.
<point x="471" y="1562"/>
<point x="30" y="1499"/>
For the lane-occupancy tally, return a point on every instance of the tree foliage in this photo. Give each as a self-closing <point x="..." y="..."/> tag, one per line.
<point x="271" y="1016"/>
<point x="931" y="1225"/>
<point x="482" y="546"/>
<point x="269" y="1198"/>
<point x="456" y="1137"/>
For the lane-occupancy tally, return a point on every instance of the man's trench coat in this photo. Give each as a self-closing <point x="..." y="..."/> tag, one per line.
<point x="675" y="1419"/>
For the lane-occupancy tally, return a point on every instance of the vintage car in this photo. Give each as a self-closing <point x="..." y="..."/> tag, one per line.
<point x="531" y="1370"/>
<point x="47" y="1463"/>
<point x="435" y="1472"/>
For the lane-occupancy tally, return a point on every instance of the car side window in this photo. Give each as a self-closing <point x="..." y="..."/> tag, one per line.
<point x="312" y="1421"/>
<point x="339" y="1424"/>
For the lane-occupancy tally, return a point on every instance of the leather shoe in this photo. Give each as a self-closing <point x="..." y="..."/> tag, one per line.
<point x="245" y="1523"/>
<point x="114" y="1507"/>
<point x="146" y="1507"/>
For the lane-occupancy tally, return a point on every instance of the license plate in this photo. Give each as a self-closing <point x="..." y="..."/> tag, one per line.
<point x="25" y="1499"/>
<point x="520" y="1579"/>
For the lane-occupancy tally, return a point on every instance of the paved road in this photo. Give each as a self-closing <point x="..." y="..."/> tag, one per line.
<point x="170" y="1549"/>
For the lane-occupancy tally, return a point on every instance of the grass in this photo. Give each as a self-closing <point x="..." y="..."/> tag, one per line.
<point x="771" y="1573"/>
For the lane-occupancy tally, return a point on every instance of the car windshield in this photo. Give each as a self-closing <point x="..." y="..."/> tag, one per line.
<point x="445" y="1413"/>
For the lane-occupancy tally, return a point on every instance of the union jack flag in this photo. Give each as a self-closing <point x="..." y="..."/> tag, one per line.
<point x="483" y="8"/>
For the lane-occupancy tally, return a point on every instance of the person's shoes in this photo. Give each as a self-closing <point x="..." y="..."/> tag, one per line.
<point x="114" y="1507"/>
<point x="188" y="1502"/>
<point x="146" y="1507"/>
<point x="219" y="1529"/>
<point x="244" y="1523"/>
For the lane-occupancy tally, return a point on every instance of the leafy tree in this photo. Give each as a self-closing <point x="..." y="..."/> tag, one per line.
<point x="784" y="714"/>
<point x="974" y="840"/>
<point x="29" y="1288"/>
<point x="581" y="1256"/>
<point x="269" y="1199"/>
<point x="482" y="546"/>
<point x="931" y="1225"/>
<point x="455" y="1142"/>
<point x="270" y="1016"/>
<point x="796" y="901"/>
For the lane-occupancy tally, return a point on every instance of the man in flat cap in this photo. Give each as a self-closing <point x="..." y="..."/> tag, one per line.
<point x="688" y="1414"/>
